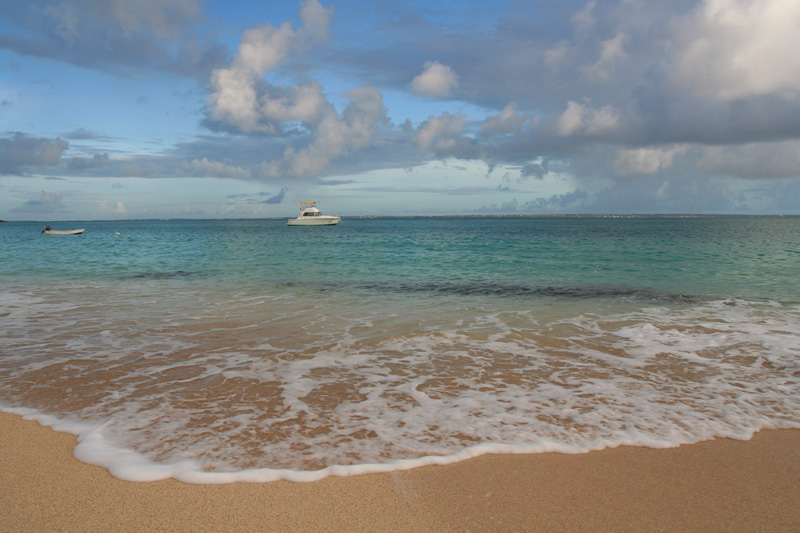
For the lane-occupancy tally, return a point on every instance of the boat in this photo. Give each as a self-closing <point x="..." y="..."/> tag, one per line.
<point x="310" y="215"/>
<point x="63" y="232"/>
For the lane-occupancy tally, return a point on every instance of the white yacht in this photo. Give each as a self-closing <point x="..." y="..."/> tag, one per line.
<point x="310" y="215"/>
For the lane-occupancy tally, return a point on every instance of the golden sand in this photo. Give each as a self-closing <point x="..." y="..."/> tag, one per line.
<point x="719" y="485"/>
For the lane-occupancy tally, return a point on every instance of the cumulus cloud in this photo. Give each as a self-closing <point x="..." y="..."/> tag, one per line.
<point x="105" y="207"/>
<point x="733" y="49"/>
<point x="334" y="137"/>
<point x="612" y="51"/>
<point x="505" y="123"/>
<point x="440" y="133"/>
<point x="436" y="81"/>
<point x="534" y="170"/>
<point x="646" y="160"/>
<point x="21" y="151"/>
<point x="241" y="98"/>
<point x="579" y="118"/>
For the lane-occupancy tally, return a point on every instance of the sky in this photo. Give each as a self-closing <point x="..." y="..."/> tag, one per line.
<point x="125" y="109"/>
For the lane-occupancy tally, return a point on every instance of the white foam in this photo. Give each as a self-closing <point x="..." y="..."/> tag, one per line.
<point x="271" y="393"/>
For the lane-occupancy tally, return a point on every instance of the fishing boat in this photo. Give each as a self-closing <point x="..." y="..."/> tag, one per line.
<point x="49" y="231"/>
<point x="310" y="215"/>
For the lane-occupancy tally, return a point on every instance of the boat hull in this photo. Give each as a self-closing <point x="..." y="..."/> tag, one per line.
<point x="322" y="220"/>
<point x="64" y="232"/>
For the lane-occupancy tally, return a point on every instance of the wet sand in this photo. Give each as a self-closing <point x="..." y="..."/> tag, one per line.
<point x="719" y="485"/>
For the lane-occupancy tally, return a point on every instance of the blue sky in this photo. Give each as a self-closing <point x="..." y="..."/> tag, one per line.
<point x="166" y="109"/>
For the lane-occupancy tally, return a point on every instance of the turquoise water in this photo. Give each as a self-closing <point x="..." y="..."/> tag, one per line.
<point x="224" y="350"/>
<point x="718" y="257"/>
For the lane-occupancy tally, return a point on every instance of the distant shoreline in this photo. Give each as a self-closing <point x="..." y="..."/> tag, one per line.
<point x="401" y="217"/>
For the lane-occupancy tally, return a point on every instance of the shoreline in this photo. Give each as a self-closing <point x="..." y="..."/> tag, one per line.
<point x="722" y="484"/>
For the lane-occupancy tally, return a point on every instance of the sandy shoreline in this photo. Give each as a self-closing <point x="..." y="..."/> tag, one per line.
<point x="716" y="485"/>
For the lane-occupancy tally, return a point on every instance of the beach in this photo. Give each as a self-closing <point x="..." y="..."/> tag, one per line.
<point x="716" y="485"/>
<point x="450" y="374"/>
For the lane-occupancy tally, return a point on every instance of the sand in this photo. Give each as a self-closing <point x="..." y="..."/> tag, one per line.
<point x="719" y="485"/>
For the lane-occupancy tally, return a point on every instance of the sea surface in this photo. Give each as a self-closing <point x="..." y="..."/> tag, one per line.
<point x="215" y="351"/>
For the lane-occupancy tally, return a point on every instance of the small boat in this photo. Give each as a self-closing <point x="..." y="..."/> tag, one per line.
<point x="310" y="215"/>
<point x="63" y="232"/>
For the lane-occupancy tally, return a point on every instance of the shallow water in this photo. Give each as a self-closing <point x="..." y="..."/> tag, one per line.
<point x="215" y="351"/>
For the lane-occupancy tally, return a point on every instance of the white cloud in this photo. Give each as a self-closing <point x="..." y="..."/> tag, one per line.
<point x="301" y="102"/>
<point x="103" y="208"/>
<point x="602" y="121"/>
<point x="239" y="100"/>
<point x="236" y="100"/>
<point x="436" y="80"/>
<point x="732" y="49"/>
<point x="646" y="160"/>
<point x="334" y="137"/>
<point x="612" y="52"/>
<point x="507" y="122"/>
<point x="578" y="118"/>
<point x="571" y="120"/>
<point x="440" y="132"/>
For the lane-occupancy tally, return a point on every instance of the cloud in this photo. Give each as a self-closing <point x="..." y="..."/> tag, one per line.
<point x="646" y="160"/>
<point x="82" y="134"/>
<point x="578" y="118"/>
<point x="436" y="81"/>
<point x="753" y="161"/>
<point x="334" y="137"/>
<point x="115" y="35"/>
<point x="47" y="203"/>
<point x="204" y="167"/>
<point x="20" y="151"/>
<point x="534" y="170"/>
<point x="440" y="132"/>
<point x="572" y="202"/>
<point x="241" y="99"/>
<point x="252" y="198"/>
<point x="278" y="198"/>
<point x="667" y="94"/>
<point x="612" y="51"/>
<point x="731" y="49"/>
<point x="103" y="208"/>
<point x="86" y="163"/>
<point x="508" y="122"/>
<point x="584" y="19"/>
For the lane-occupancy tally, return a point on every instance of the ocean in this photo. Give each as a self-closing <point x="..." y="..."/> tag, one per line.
<point x="214" y="351"/>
